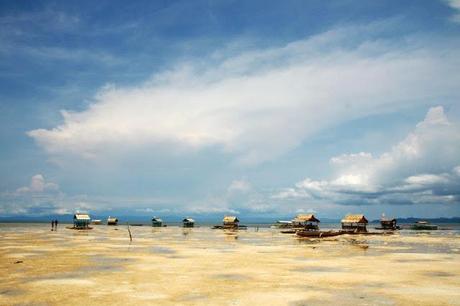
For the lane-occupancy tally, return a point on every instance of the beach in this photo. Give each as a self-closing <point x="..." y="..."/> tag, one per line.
<point x="201" y="266"/>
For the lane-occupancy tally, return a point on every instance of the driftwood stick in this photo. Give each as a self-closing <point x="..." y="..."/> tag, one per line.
<point x="130" y="236"/>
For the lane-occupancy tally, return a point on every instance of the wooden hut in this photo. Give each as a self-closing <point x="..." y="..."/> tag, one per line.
<point x="308" y="222"/>
<point x="188" y="222"/>
<point x="157" y="222"/>
<point x="81" y="221"/>
<point x="230" y="222"/>
<point x="354" y="223"/>
<point x="112" y="221"/>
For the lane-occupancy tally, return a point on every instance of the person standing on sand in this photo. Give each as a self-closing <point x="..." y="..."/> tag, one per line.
<point x="55" y="224"/>
<point x="52" y="225"/>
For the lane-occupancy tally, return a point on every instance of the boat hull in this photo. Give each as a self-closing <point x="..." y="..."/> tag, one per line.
<point x="318" y="234"/>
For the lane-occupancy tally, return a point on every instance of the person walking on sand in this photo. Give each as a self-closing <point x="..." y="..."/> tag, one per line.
<point x="55" y="224"/>
<point x="52" y="225"/>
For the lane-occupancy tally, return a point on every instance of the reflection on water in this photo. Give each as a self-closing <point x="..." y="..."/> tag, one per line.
<point x="186" y="231"/>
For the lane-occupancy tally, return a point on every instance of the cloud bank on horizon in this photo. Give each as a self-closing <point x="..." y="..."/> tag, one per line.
<point x="327" y="121"/>
<point x="259" y="104"/>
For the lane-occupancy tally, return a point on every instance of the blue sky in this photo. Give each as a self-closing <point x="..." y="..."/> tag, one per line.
<point x="214" y="107"/>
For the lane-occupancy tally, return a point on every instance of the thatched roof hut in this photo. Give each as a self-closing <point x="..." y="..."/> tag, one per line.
<point x="188" y="222"/>
<point x="230" y="221"/>
<point x="354" y="223"/>
<point x="305" y="218"/>
<point x="157" y="222"/>
<point x="112" y="221"/>
<point x="81" y="220"/>
<point x="306" y="221"/>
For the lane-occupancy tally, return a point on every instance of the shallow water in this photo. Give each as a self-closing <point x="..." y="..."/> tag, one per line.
<point x="198" y="266"/>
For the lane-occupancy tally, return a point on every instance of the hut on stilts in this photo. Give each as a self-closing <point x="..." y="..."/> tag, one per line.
<point x="157" y="222"/>
<point x="230" y="222"/>
<point x="305" y="222"/>
<point x="354" y="224"/>
<point x="81" y="221"/>
<point x="188" y="222"/>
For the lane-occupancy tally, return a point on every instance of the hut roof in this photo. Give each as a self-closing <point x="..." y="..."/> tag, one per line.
<point x="81" y="217"/>
<point x="306" y="218"/>
<point x="354" y="219"/>
<point x="112" y="219"/>
<point x="157" y="219"/>
<point x="188" y="220"/>
<point x="229" y="219"/>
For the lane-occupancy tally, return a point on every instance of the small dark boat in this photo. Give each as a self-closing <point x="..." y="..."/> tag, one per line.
<point x="318" y="234"/>
<point x="239" y="227"/>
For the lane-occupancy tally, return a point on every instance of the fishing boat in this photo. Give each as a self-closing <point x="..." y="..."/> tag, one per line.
<point x="423" y="225"/>
<point x="387" y="224"/>
<point x="318" y="234"/>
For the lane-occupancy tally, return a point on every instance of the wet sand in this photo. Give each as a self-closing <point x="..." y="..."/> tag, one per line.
<point x="175" y="266"/>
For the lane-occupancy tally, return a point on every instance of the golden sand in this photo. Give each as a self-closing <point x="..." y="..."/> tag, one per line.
<point x="175" y="266"/>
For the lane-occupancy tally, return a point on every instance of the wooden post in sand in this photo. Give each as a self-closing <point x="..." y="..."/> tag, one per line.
<point x="129" y="232"/>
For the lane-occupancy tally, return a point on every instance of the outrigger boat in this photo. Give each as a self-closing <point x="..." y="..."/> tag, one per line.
<point x="318" y="234"/>
<point x="388" y="224"/>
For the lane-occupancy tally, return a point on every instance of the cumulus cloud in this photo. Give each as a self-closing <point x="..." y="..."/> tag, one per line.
<point x="260" y="104"/>
<point x="422" y="168"/>
<point x="39" y="197"/>
<point x="38" y="185"/>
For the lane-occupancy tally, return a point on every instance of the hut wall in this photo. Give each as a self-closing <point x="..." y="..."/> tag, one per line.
<point x="157" y="223"/>
<point x="230" y="224"/>
<point x="353" y="226"/>
<point x="81" y="223"/>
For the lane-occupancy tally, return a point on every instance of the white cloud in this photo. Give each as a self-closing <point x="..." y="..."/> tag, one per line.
<point x="454" y="4"/>
<point x="423" y="168"/>
<point x="259" y="104"/>
<point x="239" y="186"/>
<point x="38" y="185"/>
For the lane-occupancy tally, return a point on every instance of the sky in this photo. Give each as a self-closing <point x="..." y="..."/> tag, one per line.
<point x="252" y="108"/>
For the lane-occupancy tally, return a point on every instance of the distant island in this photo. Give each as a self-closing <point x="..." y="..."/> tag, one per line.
<point x="203" y="219"/>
